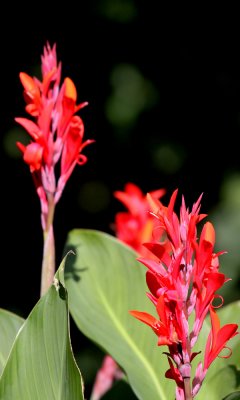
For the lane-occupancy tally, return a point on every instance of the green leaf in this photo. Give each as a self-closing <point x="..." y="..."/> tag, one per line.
<point x="41" y="364"/>
<point x="9" y="326"/>
<point x="223" y="376"/>
<point x="104" y="282"/>
<point x="233" y="396"/>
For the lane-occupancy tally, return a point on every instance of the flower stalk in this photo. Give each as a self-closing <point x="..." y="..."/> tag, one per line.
<point x="187" y="389"/>
<point x="48" y="261"/>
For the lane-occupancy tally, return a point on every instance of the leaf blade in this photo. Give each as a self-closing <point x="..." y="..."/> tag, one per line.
<point x="10" y="324"/>
<point x="43" y="350"/>
<point x="100" y="280"/>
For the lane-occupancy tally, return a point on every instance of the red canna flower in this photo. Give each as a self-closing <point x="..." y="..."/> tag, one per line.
<point x="136" y="225"/>
<point x="183" y="279"/>
<point x="56" y="138"/>
<point x="56" y="132"/>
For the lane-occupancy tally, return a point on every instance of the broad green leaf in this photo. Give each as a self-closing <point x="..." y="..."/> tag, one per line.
<point x="41" y="364"/>
<point x="9" y="326"/>
<point x="104" y="282"/>
<point x="223" y="376"/>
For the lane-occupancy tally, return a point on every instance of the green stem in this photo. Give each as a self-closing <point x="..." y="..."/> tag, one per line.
<point x="48" y="262"/>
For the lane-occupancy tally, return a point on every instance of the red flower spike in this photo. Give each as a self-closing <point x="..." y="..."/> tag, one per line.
<point x="183" y="278"/>
<point x="57" y="133"/>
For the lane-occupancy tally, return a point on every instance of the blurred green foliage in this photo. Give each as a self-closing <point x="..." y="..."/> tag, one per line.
<point x="226" y="218"/>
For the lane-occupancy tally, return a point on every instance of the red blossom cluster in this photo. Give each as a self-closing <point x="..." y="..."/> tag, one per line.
<point x="183" y="280"/>
<point x="56" y="132"/>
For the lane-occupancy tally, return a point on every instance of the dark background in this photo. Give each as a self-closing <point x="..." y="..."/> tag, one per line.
<point x="164" y="108"/>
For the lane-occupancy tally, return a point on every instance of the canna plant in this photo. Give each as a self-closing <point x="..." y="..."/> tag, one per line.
<point x="102" y="282"/>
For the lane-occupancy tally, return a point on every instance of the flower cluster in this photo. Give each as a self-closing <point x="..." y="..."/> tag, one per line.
<point x="183" y="280"/>
<point x="57" y="133"/>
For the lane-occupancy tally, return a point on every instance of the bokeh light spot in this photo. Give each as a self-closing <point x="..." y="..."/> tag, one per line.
<point x="122" y="11"/>
<point x="131" y="94"/>
<point x="9" y="142"/>
<point x="168" y="157"/>
<point x="94" y="196"/>
<point x="230" y="190"/>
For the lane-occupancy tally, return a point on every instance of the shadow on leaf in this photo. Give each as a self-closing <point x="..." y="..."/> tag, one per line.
<point x="72" y="271"/>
